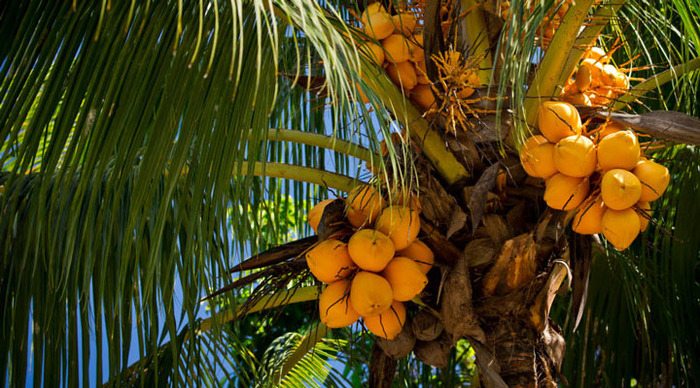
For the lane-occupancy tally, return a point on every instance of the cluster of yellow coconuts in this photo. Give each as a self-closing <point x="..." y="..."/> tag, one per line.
<point x="603" y="176"/>
<point x="597" y="82"/>
<point x="396" y="45"/>
<point x="380" y="267"/>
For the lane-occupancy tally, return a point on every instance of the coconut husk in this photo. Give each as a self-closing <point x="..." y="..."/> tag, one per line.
<point x="426" y="326"/>
<point x="434" y="353"/>
<point x="456" y="308"/>
<point x="400" y="346"/>
<point x="480" y="251"/>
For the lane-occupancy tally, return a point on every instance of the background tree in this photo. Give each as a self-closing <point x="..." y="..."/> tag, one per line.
<point x="141" y="151"/>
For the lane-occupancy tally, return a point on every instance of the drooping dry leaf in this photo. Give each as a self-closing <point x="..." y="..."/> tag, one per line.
<point x="514" y="267"/>
<point x="539" y="311"/>
<point x="456" y="307"/>
<point x="581" y="268"/>
<point x="477" y="200"/>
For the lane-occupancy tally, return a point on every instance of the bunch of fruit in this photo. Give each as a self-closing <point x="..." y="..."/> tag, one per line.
<point x="596" y="81"/>
<point x="602" y="175"/>
<point x="399" y="51"/>
<point x="379" y="267"/>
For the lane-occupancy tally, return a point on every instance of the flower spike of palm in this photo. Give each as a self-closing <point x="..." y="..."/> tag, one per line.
<point x="146" y="148"/>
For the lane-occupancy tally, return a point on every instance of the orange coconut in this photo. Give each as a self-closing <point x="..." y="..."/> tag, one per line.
<point x="423" y="96"/>
<point x="416" y="48"/>
<point x="578" y="99"/>
<point x="401" y="224"/>
<point x="537" y="157"/>
<point x="644" y="212"/>
<point x="377" y="25"/>
<point x="405" y="277"/>
<point x="620" y="189"/>
<point x="404" y="22"/>
<point x="596" y="54"/>
<point x="618" y="150"/>
<point x="364" y="204"/>
<point x="557" y="120"/>
<point x="388" y="324"/>
<point x="316" y="213"/>
<point x="621" y="81"/>
<point x="595" y="68"/>
<point x="575" y="156"/>
<point x="608" y="128"/>
<point x="374" y="51"/>
<point x="334" y="305"/>
<point x="564" y="192"/>
<point x="422" y="73"/>
<point x="609" y="74"/>
<point x="420" y="253"/>
<point x="330" y="260"/>
<point x="397" y="48"/>
<point x="403" y="74"/>
<point x="620" y="227"/>
<point x="583" y="78"/>
<point x="654" y="178"/>
<point x="370" y="294"/>
<point x="370" y="249"/>
<point x="589" y="217"/>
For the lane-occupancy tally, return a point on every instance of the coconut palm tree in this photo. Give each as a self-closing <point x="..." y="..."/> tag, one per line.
<point x="148" y="146"/>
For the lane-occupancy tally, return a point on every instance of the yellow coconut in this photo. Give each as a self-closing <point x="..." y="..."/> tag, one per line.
<point x="583" y="78"/>
<point x="557" y="120"/>
<point x="589" y="217"/>
<point x="397" y="48"/>
<point x="609" y="74"/>
<point x="334" y="305"/>
<point x="620" y="227"/>
<point x="370" y="249"/>
<point x="575" y="156"/>
<point x="578" y="99"/>
<point x="330" y="260"/>
<point x="595" y="68"/>
<point x="654" y="179"/>
<point x="596" y="54"/>
<point x="373" y="51"/>
<point x="644" y="212"/>
<point x="404" y="22"/>
<point x="370" y="294"/>
<point x="420" y="253"/>
<point x="621" y="82"/>
<point x="620" y="189"/>
<point x="405" y="277"/>
<point x="423" y="96"/>
<point x="377" y="25"/>
<point x="316" y="213"/>
<point x="416" y="48"/>
<point x="470" y="78"/>
<point x="618" y="150"/>
<point x="401" y="224"/>
<point x="608" y="128"/>
<point x="388" y="324"/>
<point x="564" y="192"/>
<point x="537" y="157"/>
<point x="373" y="8"/>
<point x="364" y="204"/>
<point x="403" y="74"/>
<point x="422" y="73"/>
